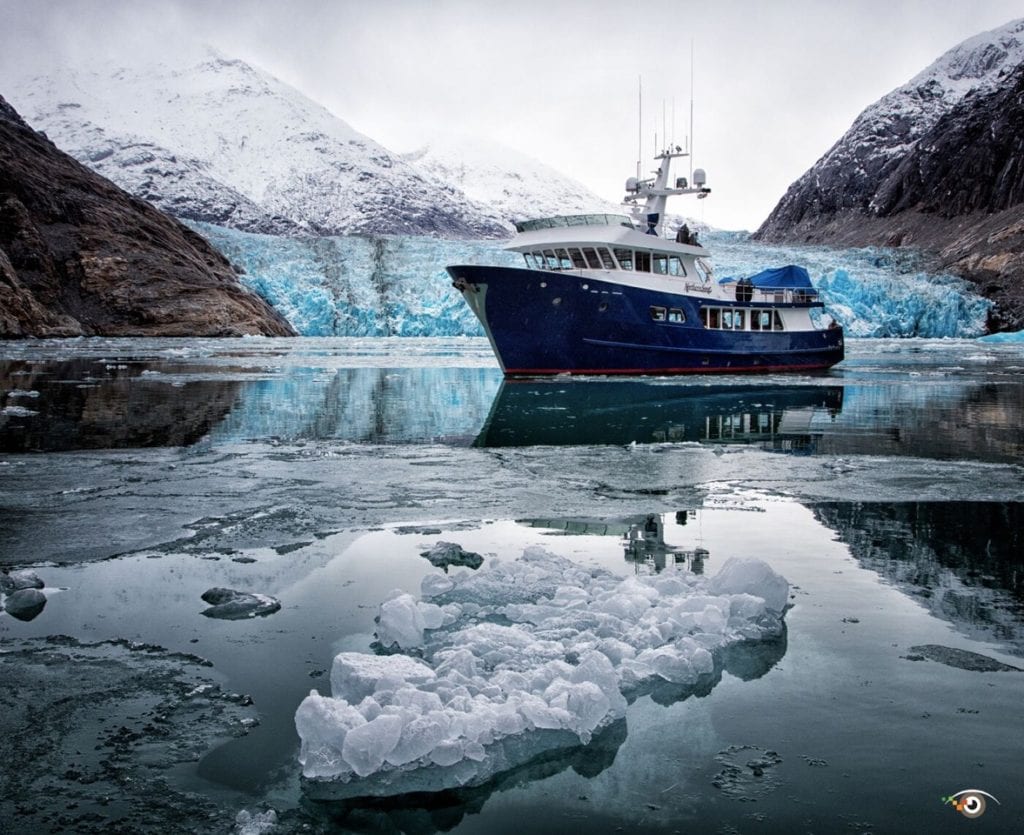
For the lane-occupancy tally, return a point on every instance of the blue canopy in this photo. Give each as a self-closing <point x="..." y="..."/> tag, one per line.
<point x="788" y="277"/>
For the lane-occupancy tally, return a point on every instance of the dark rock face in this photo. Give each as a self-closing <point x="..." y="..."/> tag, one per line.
<point x="955" y="191"/>
<point x="78" y="256"/>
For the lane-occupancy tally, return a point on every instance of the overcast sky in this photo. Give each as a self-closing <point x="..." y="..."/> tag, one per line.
<point x="775" y="83"/>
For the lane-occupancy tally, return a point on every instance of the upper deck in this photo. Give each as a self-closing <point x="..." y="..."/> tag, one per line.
<point x="596" y="230"/>
<point x="564" y="221"/>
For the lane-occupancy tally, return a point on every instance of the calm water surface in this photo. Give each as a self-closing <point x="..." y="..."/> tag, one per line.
<point x="136" y="474"/>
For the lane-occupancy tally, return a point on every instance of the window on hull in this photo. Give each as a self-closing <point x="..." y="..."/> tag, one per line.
<point x="735" y="319"/>
<point x="674" y="315"/>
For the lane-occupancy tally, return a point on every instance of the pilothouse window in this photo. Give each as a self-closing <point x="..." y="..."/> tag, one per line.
<point x="625" y="258"/>
<point x="592" y="260"/>
<point x="578" y="261"/>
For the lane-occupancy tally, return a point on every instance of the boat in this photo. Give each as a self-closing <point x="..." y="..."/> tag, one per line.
<point x="624" y="294"/>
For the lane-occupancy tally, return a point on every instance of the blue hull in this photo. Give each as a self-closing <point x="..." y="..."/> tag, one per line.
<point x="542" y="323"/>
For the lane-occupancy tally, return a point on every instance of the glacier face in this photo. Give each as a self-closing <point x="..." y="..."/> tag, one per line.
<point x="363" y="285"/>
<point x="359" y="285"/>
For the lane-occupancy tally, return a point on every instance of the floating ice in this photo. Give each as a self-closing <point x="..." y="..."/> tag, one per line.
<point x="24" y="604"/>
<point x="444" y="554"/>
<point x="255" y="823"/>
<point x="1014" y="338"/>
<point x="228" y="604"/>
<point x="23" y="579"/>
<point x="520" y="658"/>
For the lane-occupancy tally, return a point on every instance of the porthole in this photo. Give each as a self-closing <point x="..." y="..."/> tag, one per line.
<point x="585" y="286"/>
<point x="557" y="300"/>
<point x="602" y="307"/>
<point x="543" y="284"/>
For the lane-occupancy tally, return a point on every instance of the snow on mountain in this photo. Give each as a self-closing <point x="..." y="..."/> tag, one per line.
<point x="847" y="176"/>
<point x="219" y="140"/>
<point x="516" y="186"/>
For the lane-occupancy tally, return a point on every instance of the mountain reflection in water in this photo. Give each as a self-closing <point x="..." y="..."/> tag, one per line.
<point x="963" y="561"/>
<point x="99" y="404"/>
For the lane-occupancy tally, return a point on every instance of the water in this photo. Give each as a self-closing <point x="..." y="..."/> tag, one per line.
<point x="137" y="474"/>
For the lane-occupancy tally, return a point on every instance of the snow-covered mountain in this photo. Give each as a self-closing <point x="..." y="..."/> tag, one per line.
<point x="221" y="141"/>
<point x="516" y="186"/>
<point x="936" y="165"/>
<point x="217" y="140"/>
<point x="848" y="177"/>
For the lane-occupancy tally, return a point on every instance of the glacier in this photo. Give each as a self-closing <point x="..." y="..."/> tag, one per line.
<point x="369" y="285"/>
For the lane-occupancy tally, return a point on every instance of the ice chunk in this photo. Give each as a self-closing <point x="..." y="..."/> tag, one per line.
<point x="356" y="675"/>
<point x="401" y="622"/>
<point x="444" y="554"/>
<point x="16" y="580"/>
<point x="753" y="577"/>
<point x="25" y="604"/>
<point x="255" y="823"/>
<point x="435" y="584"/>
<point x="228" y="604"/>
<point x="323" y="724"/>
<point x="519" y="658"/>
<point x="366" y="746"/>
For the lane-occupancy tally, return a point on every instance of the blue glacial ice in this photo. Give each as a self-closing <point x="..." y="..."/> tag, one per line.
<point x="1015" y="338"/>
<point x="491" y="669"/>
<point x="397" y="286"/>
<point x="871" y="292"/>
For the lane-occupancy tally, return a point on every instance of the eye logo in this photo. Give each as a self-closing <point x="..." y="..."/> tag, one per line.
<point x="969" y="802"/>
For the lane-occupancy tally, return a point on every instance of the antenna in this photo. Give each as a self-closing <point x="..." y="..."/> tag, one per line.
<point x="691" y="110"/>
<point x="639" y="124"/>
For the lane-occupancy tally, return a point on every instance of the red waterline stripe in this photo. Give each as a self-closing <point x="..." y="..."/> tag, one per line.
<point x="645" y="371"/>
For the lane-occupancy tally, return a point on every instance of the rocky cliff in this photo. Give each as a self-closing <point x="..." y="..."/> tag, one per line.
<point x="78" y="256"/>
<point x="937" y="165"/>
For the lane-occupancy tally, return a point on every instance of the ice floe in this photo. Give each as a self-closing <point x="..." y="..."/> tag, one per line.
<point x="515" y="660"/>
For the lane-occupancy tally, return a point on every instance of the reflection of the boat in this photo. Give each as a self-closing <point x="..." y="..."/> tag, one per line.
<point x="646" y="548"/>
<point x="643" y="539"/>
<point x="620" y="412"/>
